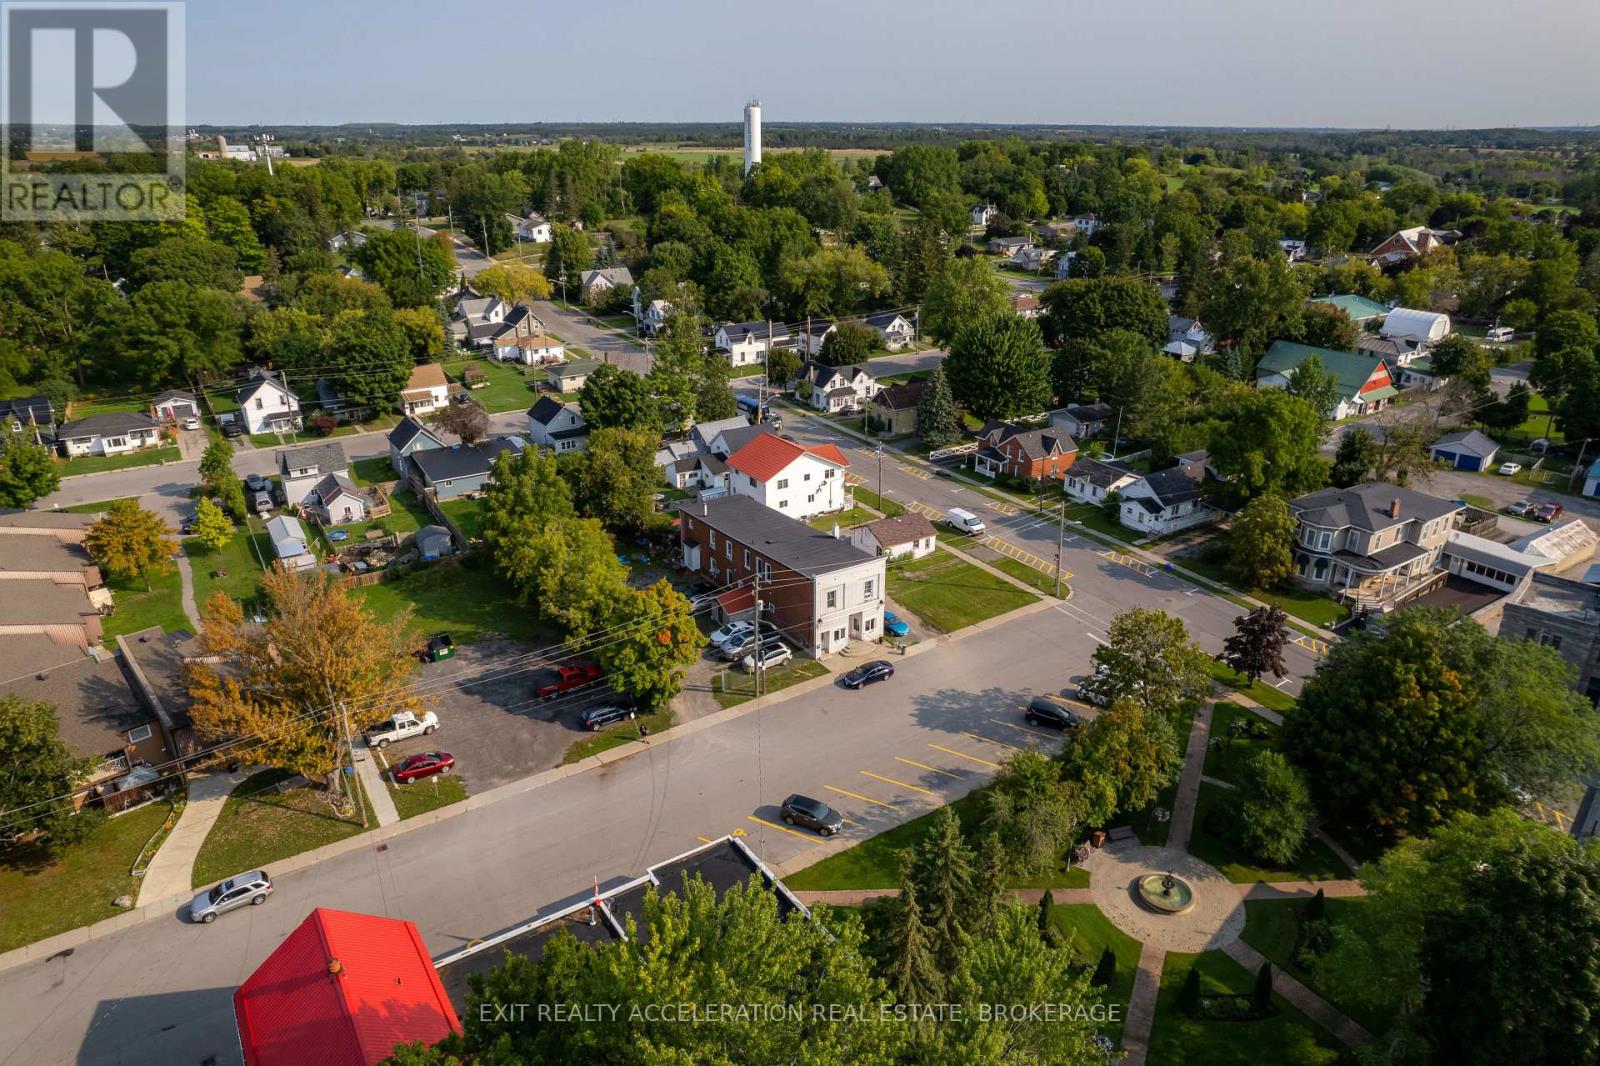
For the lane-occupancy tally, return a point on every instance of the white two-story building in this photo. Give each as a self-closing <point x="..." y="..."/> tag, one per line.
<point x="790" y="478"/>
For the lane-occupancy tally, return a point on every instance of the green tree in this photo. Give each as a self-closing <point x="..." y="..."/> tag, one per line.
<point x="832" y="281"/>
<point x="413" y="270"/>
<point x="212" y="527"/>
<point x="849" y="343"/>
<point x="649" y="640"/>
<point x="1316" y="386"/>
<point x="675" y="370"/>
<point x="614" y="396"/>
<point x="41" y="769"/>
<point x="512" y="282"/>
<point x="615" y="477"/>
<point x="1261" y="543"/>
<point x="782" y="366"/>
<point x="941" y="872"/>
<point x="998" y="367"/>
<point x="906" y="946"/>
<point x="1271" y="808"/>
<point x="1189" y="991"/>
<point x="1322" y="325"/>
<point x="424" y="333"/>
<point x="27" y="471"/>
<point x="228" y="224"/>
<point x="1256" y="647"/>
<point x="938" y="423"/>
<point x="371" y="358"/>
<point x="568" y="256"/>
<point x="216" y="464"/>
<point x="1272" y="443"/>
<point x="525" y="494"/>
<point x="578" y="580"/>
<point x="1105" y="971"/>
<point x="1122" y="760"/>
<point x="1032" y="812"/>
<point x="1149" y="658"/>
<point x="129" y="541"/>
<point x="713" y="397"/>
<point x="1261" y="996"/>
<point x="197" y="263"/>
<point x="1087" y="308"/>
<point x="1355" y="457"/>
<point x="963" y="291"/>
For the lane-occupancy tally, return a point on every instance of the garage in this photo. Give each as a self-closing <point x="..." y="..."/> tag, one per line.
<point x="1466" y="449"/>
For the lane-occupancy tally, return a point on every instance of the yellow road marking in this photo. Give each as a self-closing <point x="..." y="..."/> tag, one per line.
<point x="991" y="740"/>
<point x="857" y="795"/>
<point x="925" y="766"/>
<point x="738" y="833"/>
<point x="1022" y="728"/>
<point x="902" y="784"/>
<point x="702" y="840"/>
<point x="959" y="755"/>
<point x="783" y="829"/>
<point x="851" y="821"/>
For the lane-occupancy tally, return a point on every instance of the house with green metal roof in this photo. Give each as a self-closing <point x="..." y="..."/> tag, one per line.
<point x="1364" y="382"/>
<point x="1359" y="308"/>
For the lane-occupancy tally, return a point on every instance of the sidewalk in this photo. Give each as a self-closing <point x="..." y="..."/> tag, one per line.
<point x="1306" y="1001"/>
<point x="1142" y="1006"/>
<point x="855" y="897"/>
<point x="191" y="610"/>
<point x="372" y="784"/>
<point x="171" y="872"/>
<point x="1194" y="762"/>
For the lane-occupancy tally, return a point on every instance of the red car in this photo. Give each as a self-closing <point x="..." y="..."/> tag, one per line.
<point x="1548" y="512"/>
<point x="567" y="679"/>
<point x="416" y="767"/>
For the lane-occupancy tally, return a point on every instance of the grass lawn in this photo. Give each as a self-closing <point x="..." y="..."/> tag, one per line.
<point x="1149" y="829"/>
<point x="259" y="825"/>
<point x="886" y="507"/>
<point x="1274" y="699"/>
<point x="1315" y="862"/>
<point x="1304" y="604"/>
<point x="1475" y="500"/>
<point x="237" y="560"/>
<point x="734" y="686"/>
<point x="1287" y="1039"/>
<point x="406" y="515"/>
<point x="1271" y="926"/>
<point x="375" y="470"/>
<point x="464" y="598"/>
<point x="949" y="594"/>
<point x="1224" y="763"/>
<point x="467" y="514"/>
<point x="1091" y="932"/>
<point x="40" y="897"/>
<point x="95" y="464"/>
<point x="855" y="516"/>
<point x="617" y="735"/>
<point x="95" y="508"/>
<point x="1026" y="574"/>
<point x="429" y="794"/>
<point x="1095" y="519"/>
<point x="510" y="385"/>
<point x="138" y="609"/>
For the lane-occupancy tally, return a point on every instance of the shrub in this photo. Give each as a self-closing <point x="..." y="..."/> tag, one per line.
<point x="1105" y="971"/>
<point x="1189" y="994"/>
<point x="323" y="424"/>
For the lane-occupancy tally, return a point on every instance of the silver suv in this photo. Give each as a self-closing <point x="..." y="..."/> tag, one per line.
<point x="250" y="889"/>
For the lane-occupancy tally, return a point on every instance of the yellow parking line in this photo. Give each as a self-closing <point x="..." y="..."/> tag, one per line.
<point x="1023" y="728"/>
<point x="738" y="833"/>
<point x="902" y="784"/>
<point x="702" y="840"/>
<point x="991" y="740"/>
<point x="783" y="829"/>
<point x="857" y="795"/>
<point x="959" y="755"/>
<point x="850" y="821"/>
<point x="925" y="766"/>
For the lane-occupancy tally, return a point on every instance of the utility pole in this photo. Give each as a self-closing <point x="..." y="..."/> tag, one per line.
<point x="1116" y="436"/>
<point x="759" y="673"/>
<point x="880" y="474"/>
<point x="355" y="778"/>
<point x="1061" y="540"/>
<point x="1577" y="468"/>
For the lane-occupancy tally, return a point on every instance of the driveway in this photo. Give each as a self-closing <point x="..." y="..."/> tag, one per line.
<point x="577" y="329"/>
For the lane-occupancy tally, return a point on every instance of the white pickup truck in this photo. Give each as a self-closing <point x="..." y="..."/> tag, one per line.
<point x="399" y="727"/>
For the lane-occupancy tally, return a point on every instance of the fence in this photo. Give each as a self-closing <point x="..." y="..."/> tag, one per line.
<point x="433" y="508"/>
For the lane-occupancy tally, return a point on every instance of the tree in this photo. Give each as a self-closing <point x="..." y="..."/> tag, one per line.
<point x="1256" y="647"/>
<point x="1149" y="658"/>
<point x="197" y="263"/>
<point x="1087" y="308"/>
<point x="129" y="541"/>
<point x="1316" y="386"/>
<point x="1355" y="457"/>
<point x="782" y="366"/>
<point x="577" y="578"/>
<point x="1271" y="808"/>
<point x="998" y="367"/>
<point x="424" y="333"/>
<point x="467" y="421"/>
<point x="850" y="342"/>
<point x="1122" y="760"/>
<point x="963" y="291"/>
<point x="1502" y="416"/>
<point x="941" y="872"/>
<point x="674" y="372"/>
<point x="41" y="771"/>
<point x="1189" y="991"/>
<point x="832" y="281"/>
<point x="1271" y="443"/>
<point x="1261" y="996"/>
<point x="938" y="424"/>
<point x="292" y="685"/>
<point x="411" y="269"/>
<point x="906" y="947"/>
<point x="27" y="471"/>
<point x="714" y="399"/>
<point x="371" y="357"/>
<point x="525" y="494"/>
<point x="615" y="477"/>
<point x="1032" y="812"/>
<point x="1105" y="971"/>
<point x="1460" y="357"/>
<point x="568" y="256"/>
<point x="216" y="464"/>
<point x="649" y="639"/>
<point x="212" y="527"/>
<point x="1261" y="543"/>
<point x="615" y="396"/>
<point x="1402" y="451"/>
<point x="512" y="283"/>
<point x="1322" y="325"/>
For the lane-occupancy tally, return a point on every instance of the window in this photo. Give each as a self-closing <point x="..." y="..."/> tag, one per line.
<point x="833" y="598"/>
<point x="1550" y="640"/>
<point x="259" y="405"/>
<point x="1324" y="538"/>
<point x="867" y="589"/>
<point x="1532" y="634"/>
<point x="136" y="735"/>
<point x="872" y="623"/>
<point x="782" y="504"/>
<point x="764" y="568"/>
<point x="727" y="547"/>
<point x="747" y="558"/>
<point x="838" y="634"/>
<point x="806" y="476"/>
<point x="750" y="478"/>
<point x="783" y="483"/>
<point x="711" y="539"/>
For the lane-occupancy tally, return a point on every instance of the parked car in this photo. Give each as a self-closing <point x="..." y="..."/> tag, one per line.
<point x="262" y="504"/>
<point x="867" y="673"/>
<point x="242" y="890"/>
<point x="772" y="653"/>
<point x="191" y="423"/>
<point x="594" y="718"/>
<point x="894" y="625"/>
<point x="1520" y="508"/>
<point x="734" y="650"/>
<point x="424" y="764"/>
<point x="232" y="425"/>
<point x="1548" y="512"/>
<point x="1089" y="689"/>
<point x="567" y="679"/>
<point x="729" y="632"/>
<point x="965" y="521"/>
<point x="1507" y="469"/>
<point x="254" y="483"/>
<point x="813" y="814"/>
<point x="400" y="726"/>
<point x="1044" y="711"/>
<point x="189" y="524"/>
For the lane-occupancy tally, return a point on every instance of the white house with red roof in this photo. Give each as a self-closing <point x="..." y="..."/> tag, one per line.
<point x="790" y="478"/>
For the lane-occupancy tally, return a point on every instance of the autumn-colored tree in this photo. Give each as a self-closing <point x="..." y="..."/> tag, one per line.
<point x="129" y="541"/>
<point x="650" y="638"/>
<point x="211" y="526"/>
<point x="512" y="282"/>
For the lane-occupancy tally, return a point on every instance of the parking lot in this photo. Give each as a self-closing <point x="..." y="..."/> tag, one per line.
<point x="489" y="718"/>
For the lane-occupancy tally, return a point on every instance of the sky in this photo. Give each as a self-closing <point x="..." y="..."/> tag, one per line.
<point x="1341" y="63"/>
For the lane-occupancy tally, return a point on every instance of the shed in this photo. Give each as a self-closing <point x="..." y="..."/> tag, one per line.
<point x="1418" y="327"/>
<point x="1466" y="449"/>
<point x="434" y="542"/>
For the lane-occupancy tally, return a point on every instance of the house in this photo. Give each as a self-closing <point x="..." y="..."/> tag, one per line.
<point x="568" y="377"/>
<point x="594" y="284"/>
<point x="834" y="388"/>
<point x="810" y="337"/>
<point x="1414" y="243"/>
<point x="1082" y="420"/>
<point x="301" y="468"/>
<point x="1058" y="231"/>
<point x="681" y="461"/>
<point x="874" y="183"/>
<point x="1064" y="266"/>
<point x="268" y="406"/>
<point x="68" y="527"/>
<point x="678" y="463"/>
<point x="1465" y="449"/>
<point x="1030" y="259"/>
<point x="1164" y="502"/>
<point x="289" y="543"/>
<point x="1293" y="250"/>
<point x="1363" y="381"/>
<point x="338" y="406"/>
<point x="44" y="607"/>
<point x="800" y="482"/>
<point x="340" y="242"/>
<point x="1023" y="451"/>
<point x="174" y="406"/>
<point x="531" y="350"/>
<point x="1561" y="614"/>
<point x="1009" y="246"/>
<point x="476" y="320"/>
<point x="894" y="407"/>
<point x="1187" y="338"/>
<point x="427" y="390"/>
<point x="33" y="414"/>
<point x="1415" y="329"/>
<point x="1092" y="480"/>
<point x="351" y="986"/>
<point x="461" y="469"/>
<point x="534" y="229"/>
<point x="114" y="434"/>
<point x="724" y="436"/>
<point x="909" y="534"/>
<point x="650" y="317"/>
<point x="62" y="563"/>
<point x="408" y="437"/>
<point x="1026" y="303"/>
<point x="982" y="215"/>
<point x="897" y="330"/>
<point x="337" y="501"/>
<point x="1085" y="225"/>
<point x="819" y="590"/>
<point x="557" y="426"/>
<point x="156" y="663"/>
<point x="1372" y="541"/>
<point x="747" y="343"/>
<point x="1360" y="309"/>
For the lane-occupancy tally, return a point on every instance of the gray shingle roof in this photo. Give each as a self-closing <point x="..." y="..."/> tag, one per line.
<point x="1469" y="441"/>
<point x="545" y="410"/>
<point x="1368" y="506"/>
<point x="94" y="703"/>
<point x="323" y="458"/>
<point x="1101" y="474"/>
<point x="776" y="536"/>
<point x="408" y="430"/>
<point x="106" y="425"/>
<point x="447" y="464"/>
<point x="1172" y="485"/>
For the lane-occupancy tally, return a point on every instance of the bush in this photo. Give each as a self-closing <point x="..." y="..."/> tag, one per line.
<point x="323" y="424"/>
<point x="1189" y="994"/>
<point x="1105" y="971"/>
<point x="1261" y="999"/>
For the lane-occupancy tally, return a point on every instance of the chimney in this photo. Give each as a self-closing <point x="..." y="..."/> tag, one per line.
<point x="1394" y="508"/>
<point x="335" y="968"/>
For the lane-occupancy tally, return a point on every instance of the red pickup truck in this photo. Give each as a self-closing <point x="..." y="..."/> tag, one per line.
<point x="567" y="679"/>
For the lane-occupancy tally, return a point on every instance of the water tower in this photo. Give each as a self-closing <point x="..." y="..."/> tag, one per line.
<point x="752" y="135"/>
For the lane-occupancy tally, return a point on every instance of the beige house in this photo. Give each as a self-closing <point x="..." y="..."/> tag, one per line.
<point x="1372" y="542"/>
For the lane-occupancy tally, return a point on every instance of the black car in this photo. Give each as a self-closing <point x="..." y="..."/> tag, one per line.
<point x="189" y="524"/>
<point x="607" y="714"/>
<point x="867" y="673"/>
<point x="813" y="814"/>
<point x="1043" y="711"/>
<point x="233" y="428"/>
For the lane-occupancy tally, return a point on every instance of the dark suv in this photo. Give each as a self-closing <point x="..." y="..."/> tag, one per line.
<point x="813" y="814"/>
<point x="1044" y="711"/>
<point x="594" y="718"/>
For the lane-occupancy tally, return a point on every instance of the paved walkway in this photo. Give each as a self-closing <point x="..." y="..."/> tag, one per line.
<point x="1215" y="918"/>
<point x="171" y="872"/>
<point x="1308" y="1002"/>
<point x="855" y="897"/>
<point x="1245" y="701"/>
<point x="1301" y="889"/>
<point x="191" y="610"/>
<point x="1141" y="1015"/>
<point x="1337" y="848"/>
<point x="372" y="782"/>
<point x="1194" y="763"/>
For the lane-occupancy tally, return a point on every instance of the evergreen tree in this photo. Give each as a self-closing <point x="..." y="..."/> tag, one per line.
<point x="1261" y="999"/>
<point x="1105" y="971"/>
<point x="937" y="422"/>
<point x="941" y="872"/>
<point x="1189" y="994"/>
<point x="1353" y="461"/>
<point x="1047" y="928"/>
<point x="907" y="948"/>
<point x="1316" y="907"/>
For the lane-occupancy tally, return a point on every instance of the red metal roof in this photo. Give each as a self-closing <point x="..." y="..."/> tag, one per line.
<point x="293" y="1010"/>
<point x="736" y="601"/>
<point x="768" y="455"/>
<point x="829" y="452"/>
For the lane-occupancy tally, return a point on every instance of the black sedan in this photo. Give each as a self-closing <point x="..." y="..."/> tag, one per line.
<point x="867" y="673"/>
<point x="1043" y="711"/>
<point x="813" y="814"/>
<point x="595" y="718"/>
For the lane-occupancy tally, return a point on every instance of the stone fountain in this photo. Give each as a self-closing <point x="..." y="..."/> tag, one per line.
<point x="1165" y="893"/>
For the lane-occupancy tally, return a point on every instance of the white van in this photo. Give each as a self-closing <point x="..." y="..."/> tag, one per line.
<point x="965" y="521"/>
<point x="1500" y="335"/>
